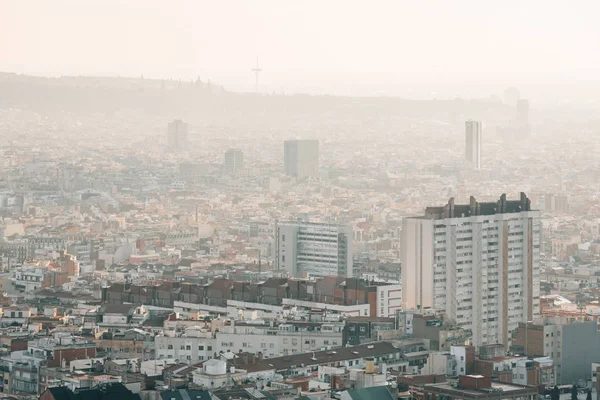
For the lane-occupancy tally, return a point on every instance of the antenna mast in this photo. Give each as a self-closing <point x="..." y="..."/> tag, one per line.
<point x="256" y="71"/>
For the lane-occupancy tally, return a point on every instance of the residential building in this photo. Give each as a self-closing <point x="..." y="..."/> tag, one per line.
<point x="177" y="135"/>
<point x="572" y="345"/>
<point x="101" y="392"/>
<point x="301" y="158"/>
<point x="216" y="374"/>
<point x="234" y="161"/>
<point x="315" y="249"/>
<point x="303" y="364"/>
<point x="473" y="143"/>
<point x="376" y="392"/>
<point x="359" y="330"/>
<point x="194" y="345"/>
<point x="595" y="373"/>
<point x="442" y="336"/>
<point x="478" y="264"/>
<point x="474" y="387"/>
<point x="279" y="340"/>
<point x="130" y="343"/>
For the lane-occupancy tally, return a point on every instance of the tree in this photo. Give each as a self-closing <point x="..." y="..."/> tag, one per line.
<point x="574" y="392"/>
<point x="555" y="394"/>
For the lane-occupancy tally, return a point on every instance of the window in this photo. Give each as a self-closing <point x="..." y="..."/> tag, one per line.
<point x="188" y="347"/>
<point x="201" y="348"/>
<point x="209" y="348"/>
<point x="170" y="347"/>
<point x="283" y="258"/>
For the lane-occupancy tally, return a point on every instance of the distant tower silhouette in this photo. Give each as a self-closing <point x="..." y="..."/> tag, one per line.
<point x="256" y="71"/>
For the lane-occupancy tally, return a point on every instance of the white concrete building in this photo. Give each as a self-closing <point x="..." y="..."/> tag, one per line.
<point x="473" y="143"/>
<point x="477" y="264"/>
<point x="215" y="374"/>
<point x="281" y="340"/>
<point x="316" y="249"/>
<point x="195" y="345"/>
<point x="389" y="300"/>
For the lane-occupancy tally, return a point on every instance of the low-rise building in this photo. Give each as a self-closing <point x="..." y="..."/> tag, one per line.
<point x="274" y="340"/>
<point x="216" y="374"/>
<point x="477" y="387"/>
<point x="360" y="330"/>
<point x="194" y="345"/>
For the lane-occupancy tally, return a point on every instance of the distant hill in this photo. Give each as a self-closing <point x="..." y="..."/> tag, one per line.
<point x="208" y="102"/>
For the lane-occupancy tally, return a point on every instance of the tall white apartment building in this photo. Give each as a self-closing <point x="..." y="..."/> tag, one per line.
<point x="316" y="249"/>
<point x="473" y="143"/>
<point x="477" y="264"/>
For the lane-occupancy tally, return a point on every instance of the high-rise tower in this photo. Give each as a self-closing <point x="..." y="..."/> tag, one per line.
<point x="301" y="158"/>
<point x="177" y="135"/>
<point x="234" y="161"/>
<point x="478" y="264"/>
<point x="316" y="249"/>
<point x="473" y="143"/>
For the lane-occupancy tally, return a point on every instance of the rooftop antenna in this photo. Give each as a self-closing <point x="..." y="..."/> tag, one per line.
<point x="256" y="71"/>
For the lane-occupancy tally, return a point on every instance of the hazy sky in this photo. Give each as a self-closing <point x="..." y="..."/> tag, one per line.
<point x="323" y="42"/>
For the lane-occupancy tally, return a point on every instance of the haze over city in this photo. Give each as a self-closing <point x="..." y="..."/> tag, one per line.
<point x="299" y="200"/>
<point x="335" y="47"/>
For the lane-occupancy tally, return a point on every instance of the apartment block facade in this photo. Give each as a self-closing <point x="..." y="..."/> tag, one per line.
<point x="476" y="264"/>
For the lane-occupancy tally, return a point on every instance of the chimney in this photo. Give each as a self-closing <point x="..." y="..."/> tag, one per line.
<point x="370" y="365"/>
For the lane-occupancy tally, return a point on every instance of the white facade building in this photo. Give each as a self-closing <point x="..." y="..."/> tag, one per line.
<point x="389" y="300"/>
<point x="473" y="143"/>
<point x="282" y="340"/>
<point x="195" y="345"/>
<point x="478" y="264"/>
<point x="316" y="249"/>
